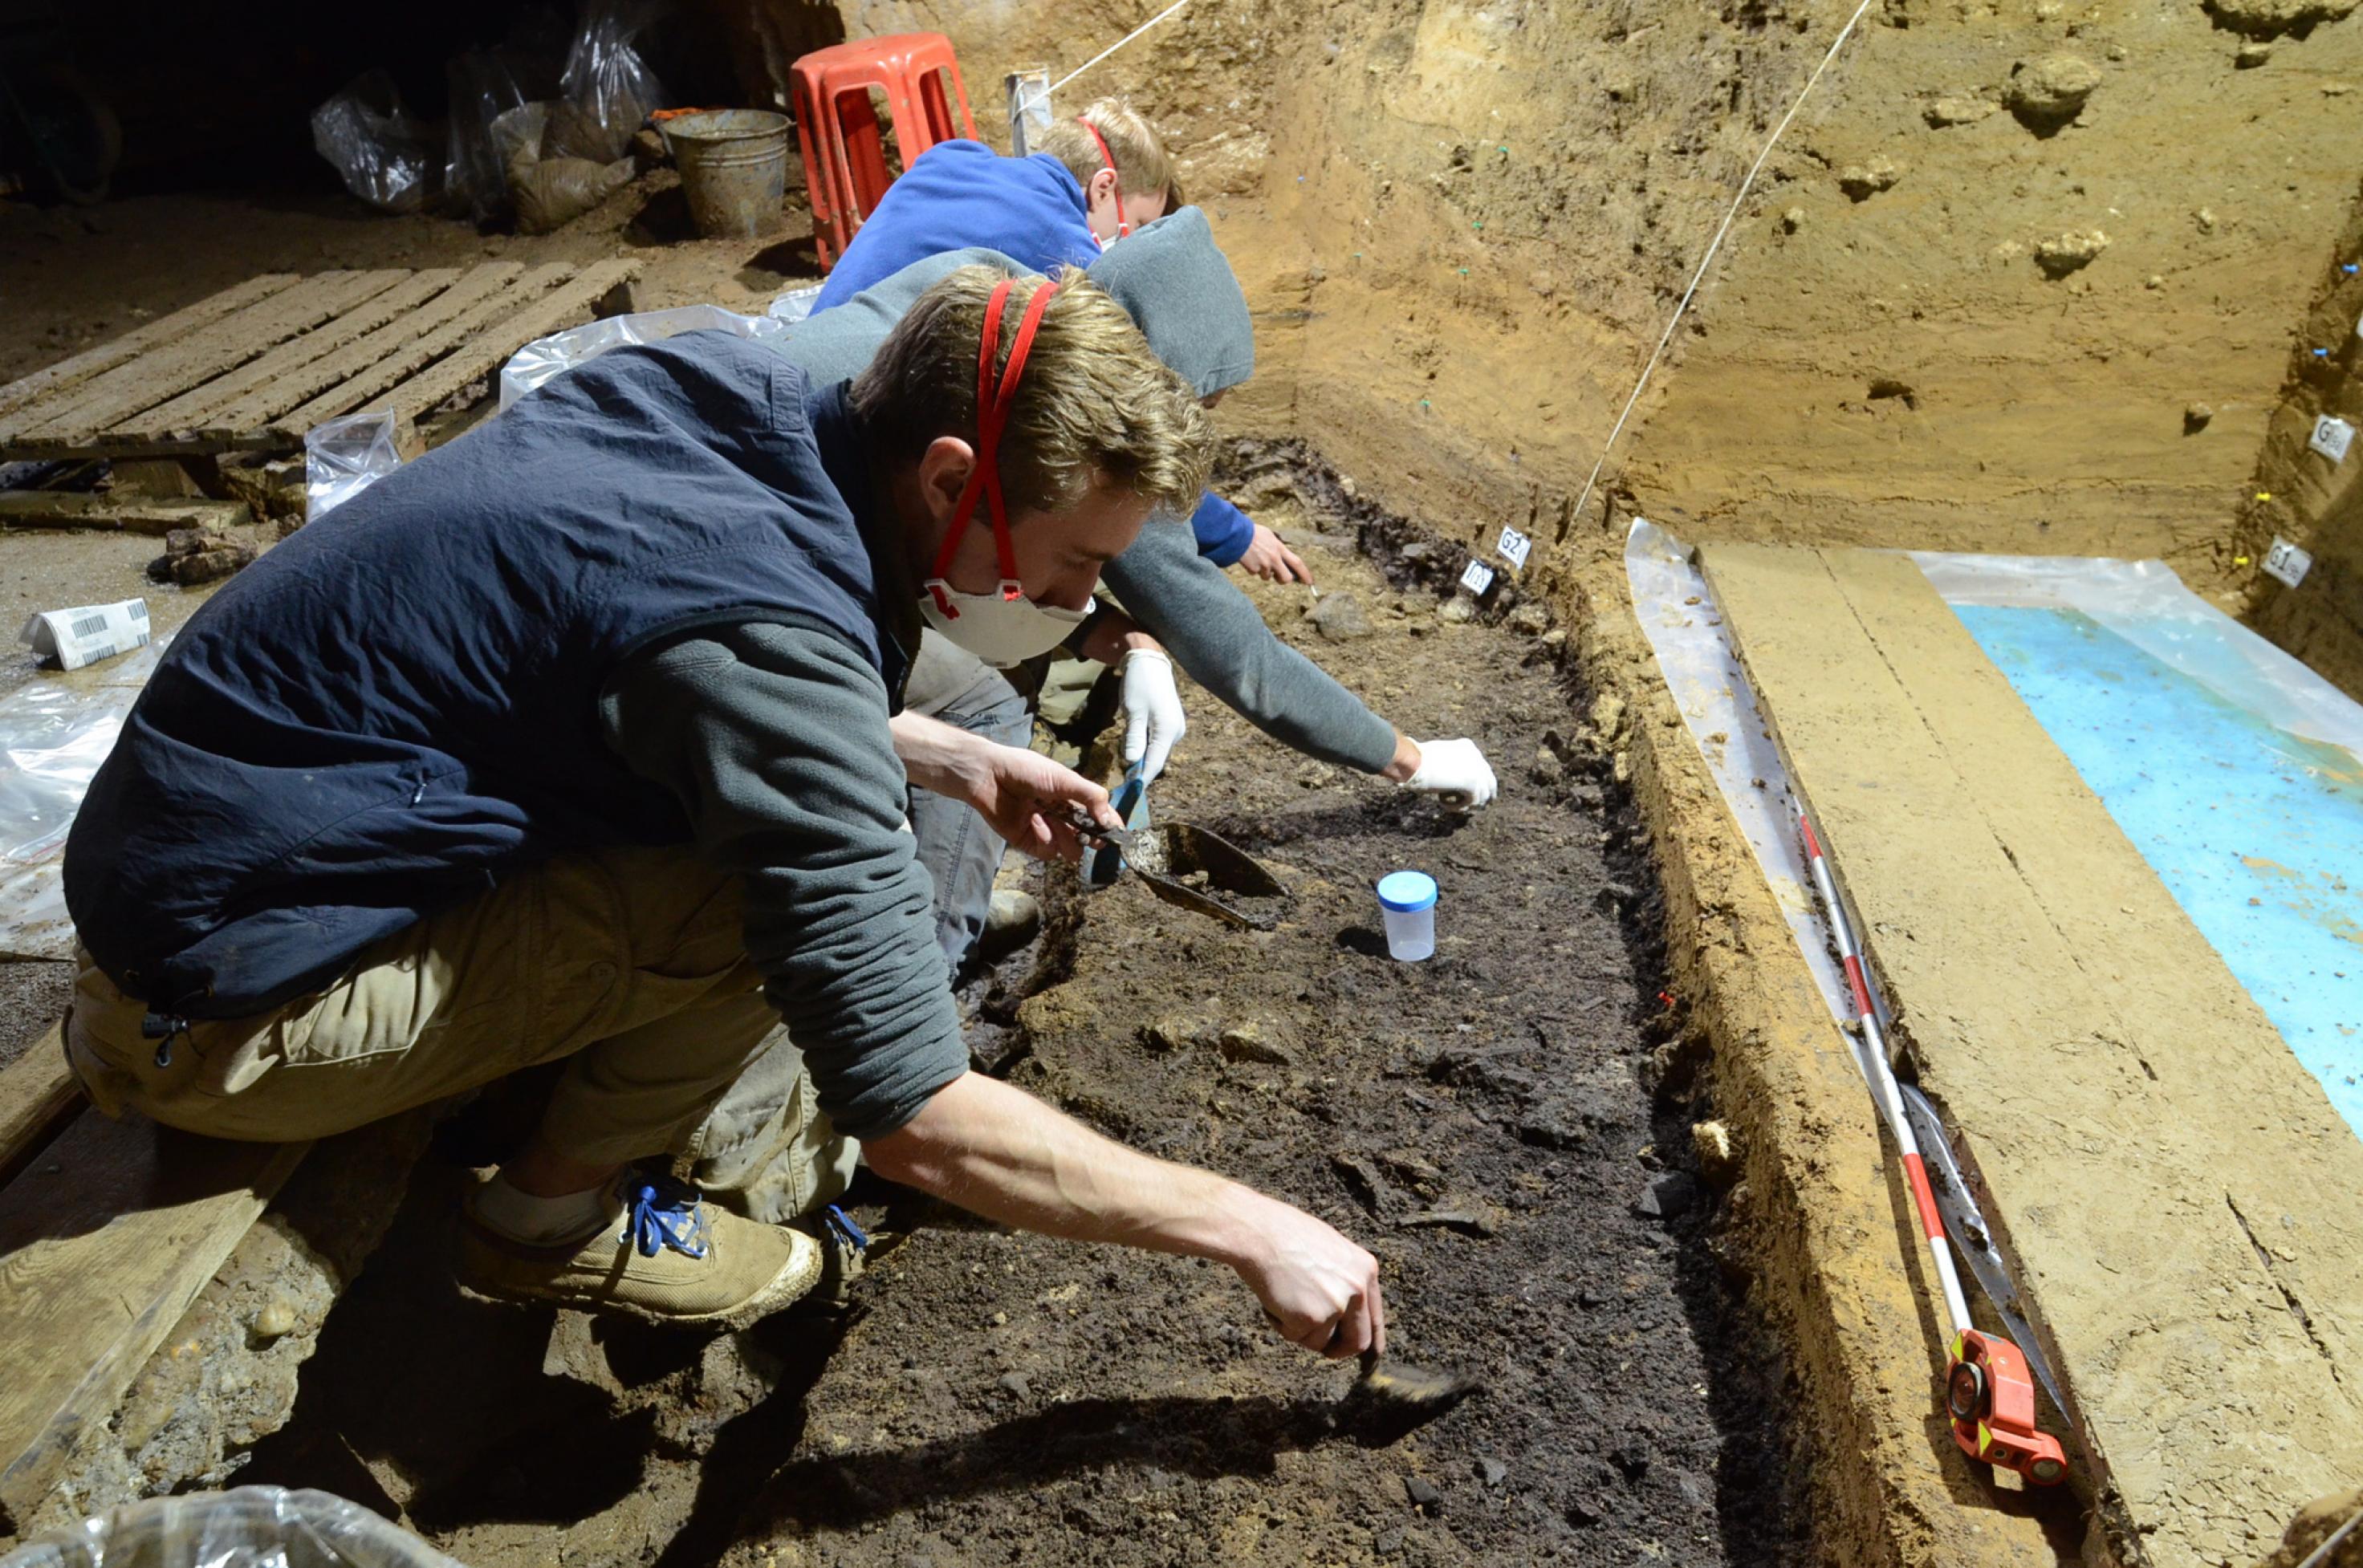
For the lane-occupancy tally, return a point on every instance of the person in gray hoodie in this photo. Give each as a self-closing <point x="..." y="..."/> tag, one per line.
<point x="1179" y="288"/>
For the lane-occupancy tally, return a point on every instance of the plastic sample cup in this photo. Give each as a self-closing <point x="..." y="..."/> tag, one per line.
<point x="1408" y="897"/>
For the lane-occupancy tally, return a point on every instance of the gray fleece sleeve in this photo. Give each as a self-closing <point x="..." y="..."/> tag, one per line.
<point x="1184" y="602"/>
<point x="773" y="738"/>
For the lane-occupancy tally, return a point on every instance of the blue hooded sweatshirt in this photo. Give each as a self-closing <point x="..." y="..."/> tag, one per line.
<point x="961" y="194"/>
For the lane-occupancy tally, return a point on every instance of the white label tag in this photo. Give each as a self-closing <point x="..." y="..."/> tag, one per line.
<point x="1514" y="548"/>
<point x="1477" y="577"/>
<point x="2332" y="436"/>
<point x="87" y="634"/>
<point x="2287" y="564"/>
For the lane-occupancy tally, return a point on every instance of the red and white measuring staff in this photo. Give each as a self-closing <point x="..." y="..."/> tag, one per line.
<point x="1882" y="1083"/>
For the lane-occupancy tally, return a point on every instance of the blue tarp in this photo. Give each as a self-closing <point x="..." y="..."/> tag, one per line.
<point x="2256" y="831"/>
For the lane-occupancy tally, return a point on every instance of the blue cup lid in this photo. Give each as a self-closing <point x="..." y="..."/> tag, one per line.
<point x="1404" y="891"/>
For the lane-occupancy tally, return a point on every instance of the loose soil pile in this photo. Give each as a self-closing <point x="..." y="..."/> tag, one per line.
<point x="1484" y="1121"/>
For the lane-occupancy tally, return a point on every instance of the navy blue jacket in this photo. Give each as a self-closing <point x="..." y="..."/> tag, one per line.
<point x="962" y="193"/>
<point x="398" y="707"/>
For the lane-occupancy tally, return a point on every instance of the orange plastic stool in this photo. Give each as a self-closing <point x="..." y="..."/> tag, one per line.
<point x="839" y="133"/>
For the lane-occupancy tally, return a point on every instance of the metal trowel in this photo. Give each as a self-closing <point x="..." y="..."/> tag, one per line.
<point x="1161" y="857"/>
<point x="1426" y="1389"/>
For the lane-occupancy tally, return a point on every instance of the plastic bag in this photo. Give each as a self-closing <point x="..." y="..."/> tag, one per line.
<point x="52" y="739"/>
<point x="548" y="192"/>
<point x="606" y="85"/>
<point x="544" y="358"/>
<point x="385" y="155"/>
<point x="482" y="89"/>
<point x="250" y="1527"/>
<point x="344" y="456"/>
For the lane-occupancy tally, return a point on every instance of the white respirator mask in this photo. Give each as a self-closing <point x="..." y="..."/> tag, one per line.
<point x="1005" y="627"/>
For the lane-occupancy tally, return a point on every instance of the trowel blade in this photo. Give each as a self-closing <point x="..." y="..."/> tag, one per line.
<point x="1965" y="1222"/>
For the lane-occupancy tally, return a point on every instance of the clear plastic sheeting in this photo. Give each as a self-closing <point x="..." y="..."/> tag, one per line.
<point x="51" y="740"/>
<point x="1678" y="617"/>
<point x="250" y="1527"/>
<point x="795" y="304"/>
<point x="344" y="456"/>
<point x="385" y="156"/>
<point x="547" y="357"/>
<point x="2145" y="603"/>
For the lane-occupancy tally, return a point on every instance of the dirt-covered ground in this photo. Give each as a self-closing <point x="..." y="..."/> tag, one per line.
<point x="1485" y="1122"/>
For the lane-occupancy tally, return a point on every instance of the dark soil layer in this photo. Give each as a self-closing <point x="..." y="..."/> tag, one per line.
<point x="1485" y="1122"/>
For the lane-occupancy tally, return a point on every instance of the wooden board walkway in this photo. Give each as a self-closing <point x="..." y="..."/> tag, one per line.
<point x="107" y="1231"/>
<point x="2185" y="1206"/>
<point x="255" y="366"/>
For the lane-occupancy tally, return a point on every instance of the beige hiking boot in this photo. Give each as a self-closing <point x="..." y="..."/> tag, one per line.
<point x="671" y="1258"/>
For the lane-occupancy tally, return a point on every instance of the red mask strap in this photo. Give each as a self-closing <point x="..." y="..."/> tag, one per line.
<point x="1108" y="158"/>
<point x="993" y="405"/>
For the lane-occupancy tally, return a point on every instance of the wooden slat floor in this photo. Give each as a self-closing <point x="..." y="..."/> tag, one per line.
<point x="253" y="368"/>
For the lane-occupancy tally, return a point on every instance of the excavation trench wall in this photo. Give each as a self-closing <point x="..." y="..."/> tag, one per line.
<point x="2309" y="498"/>
<point x="1463" y="226"/>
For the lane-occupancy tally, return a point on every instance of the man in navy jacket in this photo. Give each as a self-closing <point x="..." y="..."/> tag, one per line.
<point x="580" y="739"/>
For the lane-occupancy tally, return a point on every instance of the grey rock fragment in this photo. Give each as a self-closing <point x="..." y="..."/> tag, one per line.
<point x="1339" y="617"/>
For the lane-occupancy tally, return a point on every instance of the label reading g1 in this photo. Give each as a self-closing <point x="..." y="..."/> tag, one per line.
<point x="2286" y="564"/>
<point x="1477" y="578"/>
<point x="1514" y="548"/>
<point x="2332" y="436"/>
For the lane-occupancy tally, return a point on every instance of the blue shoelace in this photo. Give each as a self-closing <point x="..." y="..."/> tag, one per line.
<point x="661" y="1212"/>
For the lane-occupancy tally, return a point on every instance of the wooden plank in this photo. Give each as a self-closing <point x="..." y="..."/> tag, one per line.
<point x="181" y="417"/>
<point x="249" y="414"/>
<point x="72" y="372"/>
<point x="37" y="1093"/>
<point x="99" y="1256"/>
<point x="172" y="369"/>
<point x="132" y="513"/>
<point x="366" y="389"/>
<point x="483" y="355"/>
<point x="2144" y="1134"/>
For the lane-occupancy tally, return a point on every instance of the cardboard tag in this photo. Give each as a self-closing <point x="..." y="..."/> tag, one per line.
<point x="1477" y="577"/>
<point x="87" y="634"/>
<point x="1513" y="548"/>
<point x="2332" y="435"/>
<point x="2286" y="564"/>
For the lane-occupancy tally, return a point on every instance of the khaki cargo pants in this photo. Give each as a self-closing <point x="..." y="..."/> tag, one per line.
<point x="630" y="964"/>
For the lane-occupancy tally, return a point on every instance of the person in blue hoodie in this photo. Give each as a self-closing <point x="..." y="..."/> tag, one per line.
<point x="1095" y="179"/>
<point x="1098" y="177"/>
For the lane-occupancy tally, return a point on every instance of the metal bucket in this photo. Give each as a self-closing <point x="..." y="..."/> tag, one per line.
<point x="734" y="170"/>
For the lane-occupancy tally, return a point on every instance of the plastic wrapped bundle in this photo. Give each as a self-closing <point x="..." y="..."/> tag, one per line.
<point x="484" y="87"/>
<point x="252" y="1526"/>
<point x="546" y="187"/>
<point x="606" y="83"/>
<point x="385" y="156"/>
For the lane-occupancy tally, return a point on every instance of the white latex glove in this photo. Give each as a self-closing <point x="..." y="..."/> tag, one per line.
<point x="1153" y="721"/>
<point x="1455" y="772"/>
